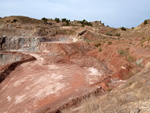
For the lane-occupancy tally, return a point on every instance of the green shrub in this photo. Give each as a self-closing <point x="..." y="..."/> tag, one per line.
<point x="117" y="34"/>
<point x="67" y="22"/>
<point x="132" y="27"/>
<point x="109" y="89"/>
<point x="57" y="20"/>
<point x="109" y="34"/>
<point x="44" y="19"/>
<point x="89" y="24"/>
<point x="123" y="52"/>
<point x="109" y="43"/>
<point x="145" y="22"/>
<point x="97" y="45"/>
<point x="84" y="22"/>
<point x="128" y="75"/>
<point x="123" y="28"/>
<point x="63" y="19"/>
<point x="100" y="49"/>
<point x="14" y="20"/>
<point x="131" y="59"/>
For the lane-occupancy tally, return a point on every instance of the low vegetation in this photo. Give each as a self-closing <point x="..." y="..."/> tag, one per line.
<point x="57" y="20"/>
<point x="131" y="59"/>
<point x="128" y="75"/>
<point x="44" y="19"/>
<point x="132" y="27"/>
<point x="90" y="105"/>
<point x="14" y="20"/>
<point x="66" y="21"/>
<point x="123" y="28"/>
<point x="123" y="52"/>
<point x="109" y="89"/>
<point x="117" y="34"/>
<point x="97" y="45"/>
<point x="145" y="22"/>
<point x="109" y="43"/>
<point x="103" y="24"/>
<point x="140" y="65"/>
<point x="144" y="39"/>
<point x="100" y="49"/>
<point x="84" y="22"/>
<point x="109" y="34"/>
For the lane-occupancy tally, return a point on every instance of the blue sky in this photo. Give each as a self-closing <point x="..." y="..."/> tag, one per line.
<point x="115" y="13"/>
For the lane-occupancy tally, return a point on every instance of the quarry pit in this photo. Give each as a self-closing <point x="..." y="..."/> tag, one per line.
<point x="58" y="74"/>
<point x="47" y="67"/>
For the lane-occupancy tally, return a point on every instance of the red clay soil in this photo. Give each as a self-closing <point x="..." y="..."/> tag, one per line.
<point x="34" y="85"/>
<point x="118" y="63"/>
<point x="5" y="70"/>
<point x="61" y="73"/>
<point x="64" y="72"/>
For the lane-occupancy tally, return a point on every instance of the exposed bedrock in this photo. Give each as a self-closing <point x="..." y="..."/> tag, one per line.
<point x="42" y="44"/>
<point x="22" y="44"/>
<point x="10" y="60"/>
<point x="6" y="58"/>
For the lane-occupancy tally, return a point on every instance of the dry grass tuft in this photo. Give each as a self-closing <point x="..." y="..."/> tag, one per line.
<point x="90" y="105"/>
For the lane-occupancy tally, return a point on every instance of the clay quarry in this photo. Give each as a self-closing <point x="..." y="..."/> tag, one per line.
<point x="50" y="66"/>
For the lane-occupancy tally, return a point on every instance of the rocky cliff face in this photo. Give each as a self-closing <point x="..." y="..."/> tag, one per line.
<point x="6" y="58"/>
<point x="10" y="60"/>
<point x="21" y="44"/>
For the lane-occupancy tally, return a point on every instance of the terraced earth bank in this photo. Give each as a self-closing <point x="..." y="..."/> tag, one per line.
<point x="48" y="67"/>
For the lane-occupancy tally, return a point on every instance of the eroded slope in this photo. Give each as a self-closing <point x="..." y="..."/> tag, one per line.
<point x="71" y="61"/>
